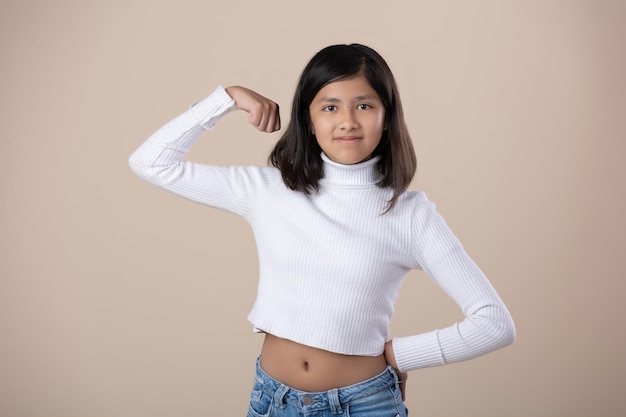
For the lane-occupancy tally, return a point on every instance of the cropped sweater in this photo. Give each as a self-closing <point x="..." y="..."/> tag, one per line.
<point x="331" y="263"/>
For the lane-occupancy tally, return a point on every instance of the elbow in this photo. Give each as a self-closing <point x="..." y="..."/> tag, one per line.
<point x="140" y="168"/>
<point x="134" y="162"/>
<point x="504" y="332"/>
<point x="508" y="334"/>
<point x="497" y="329"/>
<point x="160" y="175"/>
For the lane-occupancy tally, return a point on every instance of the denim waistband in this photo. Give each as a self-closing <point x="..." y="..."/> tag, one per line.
<point x="332" y="399"/>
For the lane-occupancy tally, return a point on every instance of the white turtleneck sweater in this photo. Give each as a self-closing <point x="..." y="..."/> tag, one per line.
<point x="331" y="264"/>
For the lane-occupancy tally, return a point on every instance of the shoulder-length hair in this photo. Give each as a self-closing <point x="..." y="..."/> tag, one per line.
<point x="297" y="154"/>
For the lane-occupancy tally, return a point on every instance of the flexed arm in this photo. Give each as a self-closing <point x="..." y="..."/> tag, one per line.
<point x="160" y="159"/>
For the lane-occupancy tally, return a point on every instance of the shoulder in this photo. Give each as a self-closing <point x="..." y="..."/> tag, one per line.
<point x="413" y="209"/>
<point x="416" y="196"/>
<point x="422" y="210"/>
<point x="416" y="201"/>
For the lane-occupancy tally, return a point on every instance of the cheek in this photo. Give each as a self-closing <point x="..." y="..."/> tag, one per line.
<point x="376" y="126"/>
<point x="319" y="126"/>
<point x="375" y="122"/>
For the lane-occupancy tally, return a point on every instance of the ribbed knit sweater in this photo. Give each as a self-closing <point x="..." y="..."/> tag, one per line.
<point x="331" y="263"/>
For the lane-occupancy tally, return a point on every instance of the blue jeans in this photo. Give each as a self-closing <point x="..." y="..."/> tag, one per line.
<point x="376" y="397"/>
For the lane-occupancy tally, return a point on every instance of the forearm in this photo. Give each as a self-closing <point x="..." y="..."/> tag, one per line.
<point x="159" y="158"/>
<point x="487" y="330"/>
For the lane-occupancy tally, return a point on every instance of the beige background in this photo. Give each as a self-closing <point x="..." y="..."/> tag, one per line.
<point x="120" y="300"/>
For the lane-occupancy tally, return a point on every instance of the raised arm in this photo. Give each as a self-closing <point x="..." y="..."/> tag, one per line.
<point x="160" y="159"/>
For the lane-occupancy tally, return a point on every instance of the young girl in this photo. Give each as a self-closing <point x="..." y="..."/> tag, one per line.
<point x="336" y="231"/>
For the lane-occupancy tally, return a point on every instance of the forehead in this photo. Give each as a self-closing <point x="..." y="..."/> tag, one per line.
<point x="354" y="88"/>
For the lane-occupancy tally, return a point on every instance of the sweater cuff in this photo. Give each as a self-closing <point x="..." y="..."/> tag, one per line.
<point x="419" y="351"/>
<point x="210" y="110"/>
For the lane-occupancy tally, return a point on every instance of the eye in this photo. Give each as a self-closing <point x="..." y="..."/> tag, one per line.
<point x="330" y="107"/>
<point x="363" y="106"/>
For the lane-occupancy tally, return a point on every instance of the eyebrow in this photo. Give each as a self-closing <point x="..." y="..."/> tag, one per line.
<point x="327" y="99"/>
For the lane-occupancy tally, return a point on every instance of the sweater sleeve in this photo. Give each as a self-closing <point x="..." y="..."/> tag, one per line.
<point x="487" y="325"/>
<point x="159" y="160"/>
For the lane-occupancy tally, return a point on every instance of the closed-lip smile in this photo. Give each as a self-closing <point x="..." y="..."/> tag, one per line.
<point x="348" y="138"/>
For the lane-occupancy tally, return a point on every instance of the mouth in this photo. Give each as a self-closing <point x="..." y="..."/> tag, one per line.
<point x="348" y="139"/>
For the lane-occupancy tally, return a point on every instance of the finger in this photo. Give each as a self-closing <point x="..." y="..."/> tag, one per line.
<point x="262" y="126"/>
<point x="273" y="123"/>
<point x="260" y="120"/>
<point x="277" y="119"/>
<point x="270" y="118"/>
<point x="254" y="118"/>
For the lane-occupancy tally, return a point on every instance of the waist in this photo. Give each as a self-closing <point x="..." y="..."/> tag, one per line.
<point x="284" y="393"/>
<point x="310" y="369"/>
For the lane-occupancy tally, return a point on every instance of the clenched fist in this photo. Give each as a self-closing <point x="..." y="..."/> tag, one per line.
<point x="263" y="113"/>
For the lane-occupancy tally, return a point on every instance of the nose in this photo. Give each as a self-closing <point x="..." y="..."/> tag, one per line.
<point x="348" y="119"/>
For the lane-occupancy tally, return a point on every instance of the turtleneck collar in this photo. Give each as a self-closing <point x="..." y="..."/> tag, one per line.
<point x="362" y="174"/>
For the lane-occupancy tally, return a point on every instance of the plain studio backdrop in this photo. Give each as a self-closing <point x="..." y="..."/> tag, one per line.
<point x="121" y="300"/>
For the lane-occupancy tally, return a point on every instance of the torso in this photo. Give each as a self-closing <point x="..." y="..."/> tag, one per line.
<point x="310" y="369"/>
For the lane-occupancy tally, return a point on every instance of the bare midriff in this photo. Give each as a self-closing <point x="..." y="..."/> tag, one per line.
<point x="310" y="369"/>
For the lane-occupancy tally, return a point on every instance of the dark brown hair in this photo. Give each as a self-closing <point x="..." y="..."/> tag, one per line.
<point x="297" y="154"/>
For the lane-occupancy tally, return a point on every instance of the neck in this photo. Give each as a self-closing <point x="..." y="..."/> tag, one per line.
<point x="364" y="173"/>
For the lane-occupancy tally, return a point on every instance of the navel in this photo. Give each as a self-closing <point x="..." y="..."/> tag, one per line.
<point x="305" y="365"/>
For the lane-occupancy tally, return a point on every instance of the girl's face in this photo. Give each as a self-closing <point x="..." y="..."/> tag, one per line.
<point x="348" y="120"/>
